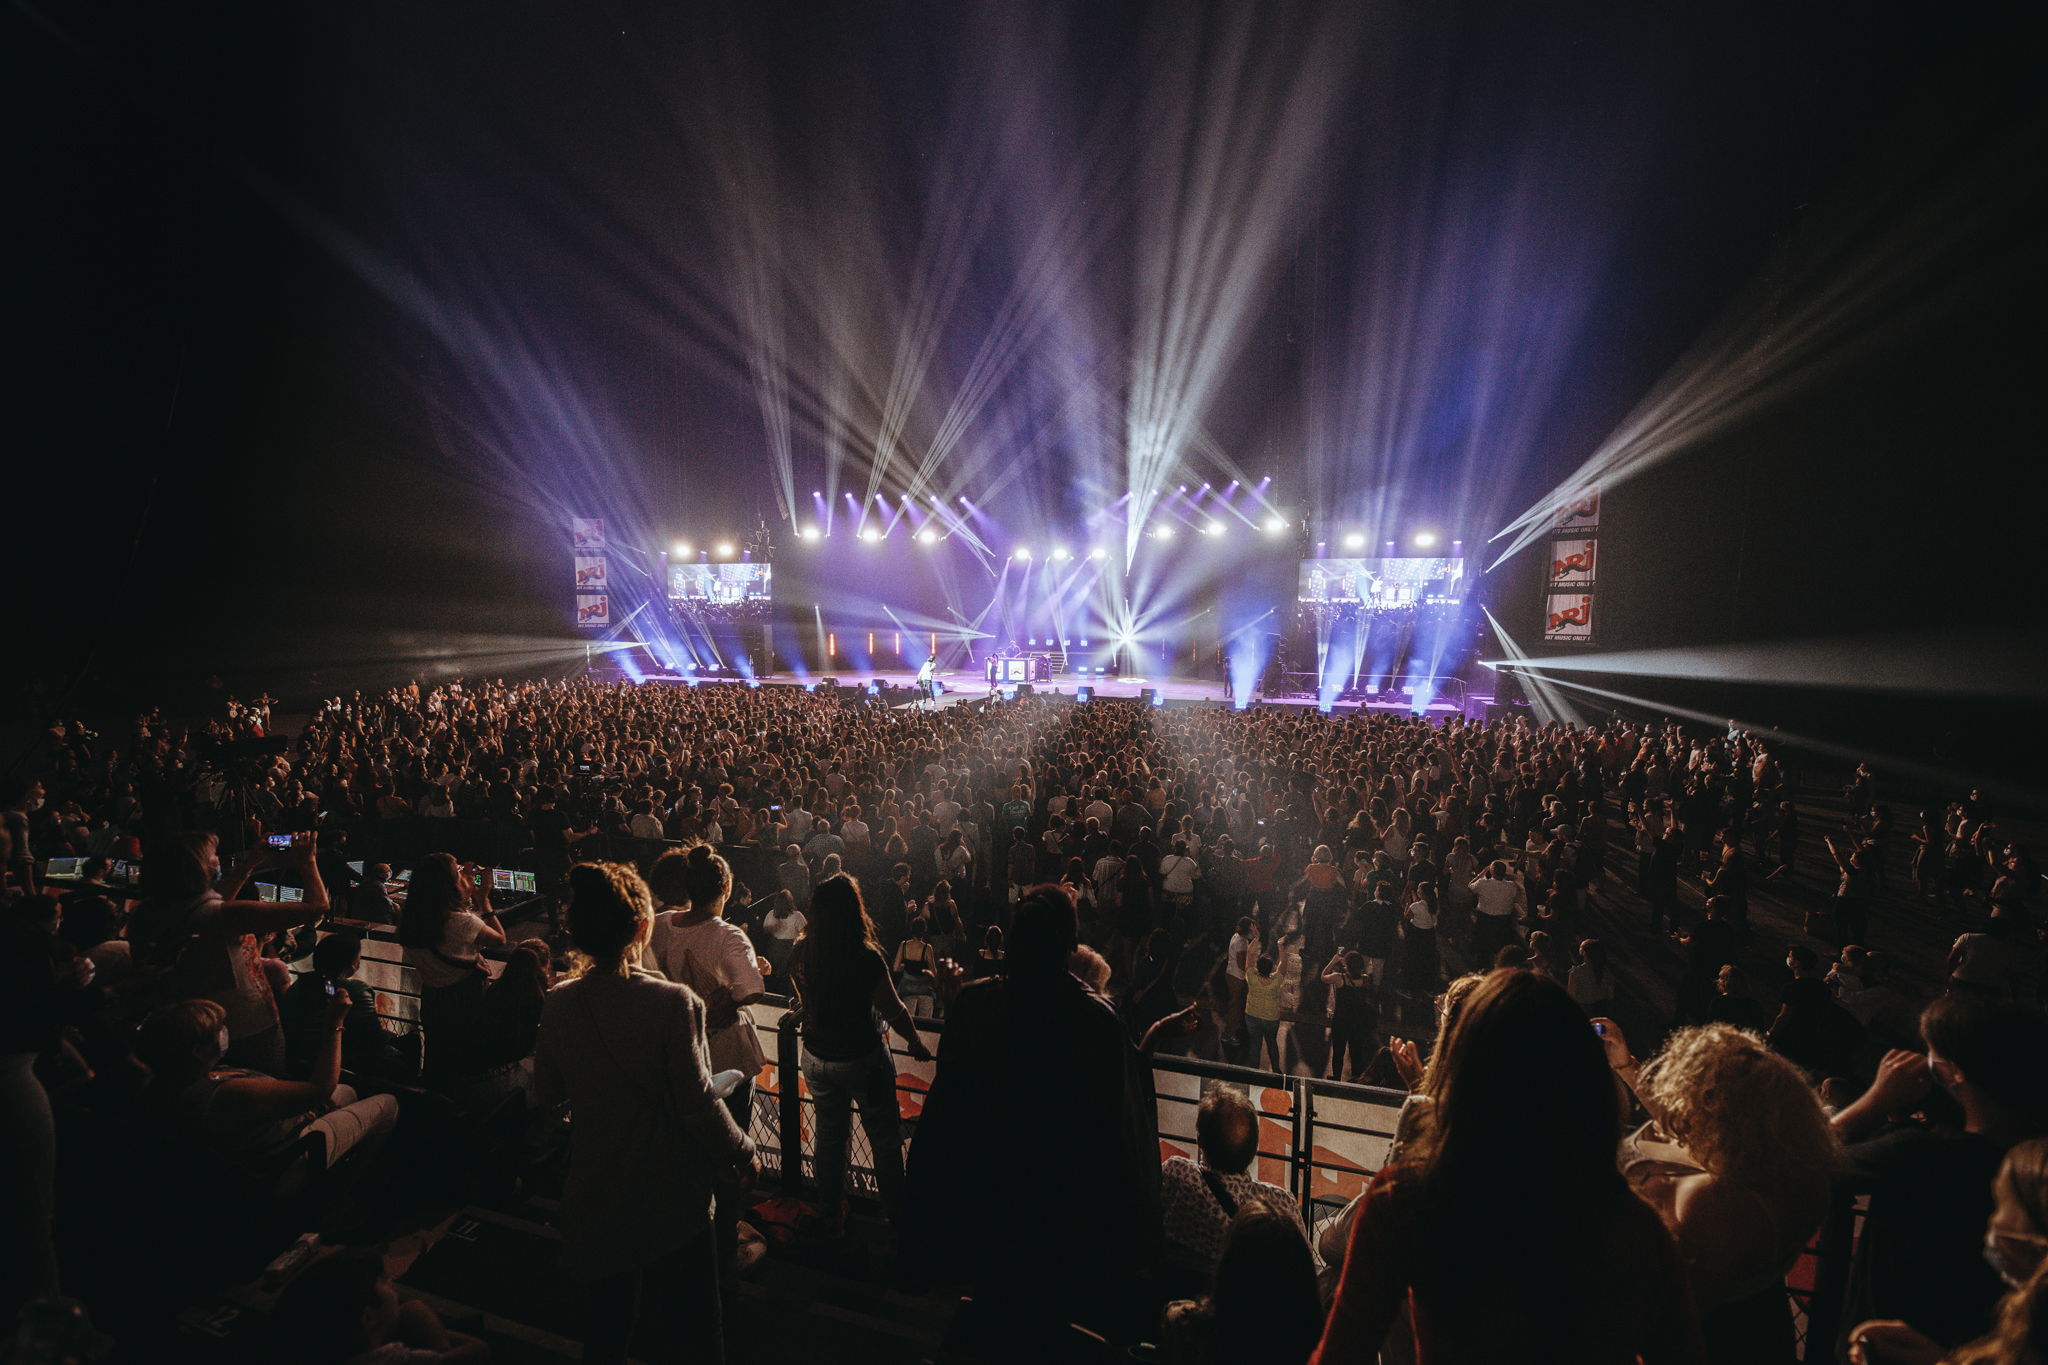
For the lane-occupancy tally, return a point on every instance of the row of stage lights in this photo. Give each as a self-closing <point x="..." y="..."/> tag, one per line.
<point x="1356" y="540"/>
<point x="873" y="535"/>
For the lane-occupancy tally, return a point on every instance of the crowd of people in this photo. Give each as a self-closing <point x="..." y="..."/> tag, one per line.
<point x="1061" y="893"/>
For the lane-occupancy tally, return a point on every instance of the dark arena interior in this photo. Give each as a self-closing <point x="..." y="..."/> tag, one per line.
<point x="1145" y="680"/>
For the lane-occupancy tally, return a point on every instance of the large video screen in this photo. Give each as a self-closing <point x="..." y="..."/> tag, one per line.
<point x="720" y="585"/>
<point x="1382" y="582"/>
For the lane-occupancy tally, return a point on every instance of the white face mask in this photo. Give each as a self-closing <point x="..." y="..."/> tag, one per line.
<point x="221" y="1056"/>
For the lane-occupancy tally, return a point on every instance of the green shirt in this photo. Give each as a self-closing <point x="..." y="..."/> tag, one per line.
<point x="1262" y="995"/>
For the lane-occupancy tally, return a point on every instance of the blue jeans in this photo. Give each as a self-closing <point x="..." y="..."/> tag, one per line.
<point x="1259" y="1035"/>
<point x="835" y="1086"/>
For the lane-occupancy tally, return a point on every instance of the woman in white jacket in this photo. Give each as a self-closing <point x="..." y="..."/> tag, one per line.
<point x="627" y="1050"/>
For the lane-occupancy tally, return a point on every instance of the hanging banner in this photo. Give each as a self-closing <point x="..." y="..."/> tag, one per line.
<point x="593" y="609"/>
<point x="1568" y="617"/>
<point x="586" y="533"/>
<point x="1578" y="513"/>
<point x="1572" y="563"/>
<point x="589" y="572"/>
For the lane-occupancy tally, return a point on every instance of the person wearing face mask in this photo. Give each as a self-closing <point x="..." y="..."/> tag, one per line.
<point x="2016" y="1249"/>
<point x="1918" y="1260"/>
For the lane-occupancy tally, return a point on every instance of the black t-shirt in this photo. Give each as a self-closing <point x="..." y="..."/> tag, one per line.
<point x="838" y="1000"/>
<point x="1807" y="995"/>
<point x="550" y="832"/>
<point x="1920" y="1257"/>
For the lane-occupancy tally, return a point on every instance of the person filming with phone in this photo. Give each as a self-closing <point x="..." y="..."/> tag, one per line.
<point x="367" y="1047"/>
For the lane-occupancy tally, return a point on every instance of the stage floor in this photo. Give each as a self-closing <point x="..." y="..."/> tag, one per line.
<point x="965" y="686"/>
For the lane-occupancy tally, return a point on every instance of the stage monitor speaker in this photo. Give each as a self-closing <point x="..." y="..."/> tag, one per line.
<point x="1150" y="696"/>
<point x="1023" y="689"/>
<point x="1083" y="695"/>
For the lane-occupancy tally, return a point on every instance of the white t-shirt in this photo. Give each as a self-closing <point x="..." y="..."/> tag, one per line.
<point x="1496" y="897"/>
<point x="1420" y="916"/>
<point x="785" y="930"/>
<point x="458" y="940"/>
<point x="1233" y="962"/>
<point x="705" y="957"/>
<point x="1179" y="875"/>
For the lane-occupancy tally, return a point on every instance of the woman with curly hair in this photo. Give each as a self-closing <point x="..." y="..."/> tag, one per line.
<point x="1738" y="1161"/>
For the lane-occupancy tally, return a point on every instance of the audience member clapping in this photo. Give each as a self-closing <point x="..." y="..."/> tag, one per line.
<point x="1738" y="1161"/>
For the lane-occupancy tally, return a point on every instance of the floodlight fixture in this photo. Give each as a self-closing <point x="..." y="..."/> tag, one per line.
<point x="1059" y="552"/>
<point x="1354" y="541"/>
<point x="810" y="533"/>
<point x="928" y="535"/>
<point x="1275" y="525"/>
<point x="1022" y="553"/>
<point x="1425" y="539"/>
<point x="725" y="549"/>
<point x="682" y="547"/>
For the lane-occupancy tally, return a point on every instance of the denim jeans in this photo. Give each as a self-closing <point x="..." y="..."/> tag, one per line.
<point x="1260" y="1034"/>
<point x="835" y="1087"/>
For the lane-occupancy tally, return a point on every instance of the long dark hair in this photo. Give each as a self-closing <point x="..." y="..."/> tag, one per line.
<point x="1262" y="1294"/>
<point x="1523" y="1085"/>
<point x="838" y="925"/>
<point x="434" y="894"/>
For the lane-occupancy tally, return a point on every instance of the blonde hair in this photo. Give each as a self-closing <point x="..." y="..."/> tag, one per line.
<point x="169" y="1039"/>
<point x="1738" y="1107"/>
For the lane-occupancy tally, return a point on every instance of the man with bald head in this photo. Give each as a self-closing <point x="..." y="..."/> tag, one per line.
<point x="1198" y="1200"/>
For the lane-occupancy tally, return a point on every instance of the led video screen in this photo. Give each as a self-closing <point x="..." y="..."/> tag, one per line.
<point x="725" y="585"/>
<point x="1382" y="582"/>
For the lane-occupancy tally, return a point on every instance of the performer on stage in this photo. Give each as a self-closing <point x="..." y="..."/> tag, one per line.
<point x="927" y="675"/>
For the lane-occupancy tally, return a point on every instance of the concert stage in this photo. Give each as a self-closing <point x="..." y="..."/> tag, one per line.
<point x="964" y="686"/>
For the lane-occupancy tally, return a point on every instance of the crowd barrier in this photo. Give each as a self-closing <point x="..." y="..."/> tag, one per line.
<point x="1320" y="1140"/>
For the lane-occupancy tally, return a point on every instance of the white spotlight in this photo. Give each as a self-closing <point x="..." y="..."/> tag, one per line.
<point x="1060" y="552"/>
<point x="682" y="547"/>
<point x="1354" y="541"/>
<point x="1275" y="524"/>
<point x="1425" y="539"/>
<point x="1023" y="553"/>
<point x="928" y="535"/>
<point x="871" y="535"/>
<point x="810" y="533"/>
<point x="725" y="549"/>
<point x="1098" y="553"/>
<point x="1214" y="528"/>
<point x="1164" y="533"/>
